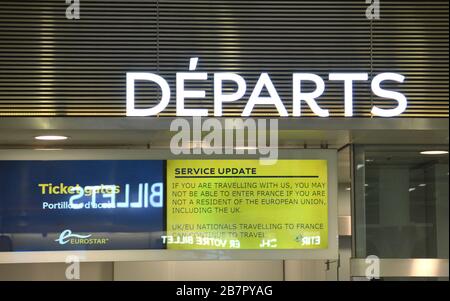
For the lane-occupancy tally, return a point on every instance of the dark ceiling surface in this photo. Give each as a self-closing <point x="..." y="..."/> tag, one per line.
<point x="53" y="66"/>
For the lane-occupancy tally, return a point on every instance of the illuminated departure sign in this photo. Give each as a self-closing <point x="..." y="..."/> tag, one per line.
<point x="264" y="82"/>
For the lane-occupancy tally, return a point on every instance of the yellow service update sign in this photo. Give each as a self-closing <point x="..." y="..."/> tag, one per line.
<point x="241" y="204"/>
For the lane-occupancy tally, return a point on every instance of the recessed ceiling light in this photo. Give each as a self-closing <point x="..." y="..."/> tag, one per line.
<point x="434" y="152"/>
<point x="245" y="147"/>
<point x="48" y="149"/>
<point x="51" y="137"/>
<point x="193" y="144"/>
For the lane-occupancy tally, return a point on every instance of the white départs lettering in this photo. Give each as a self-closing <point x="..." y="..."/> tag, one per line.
<point x="222" y="97"/>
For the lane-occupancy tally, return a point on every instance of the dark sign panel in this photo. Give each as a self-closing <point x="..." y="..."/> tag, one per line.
<point x="81" y="205"/>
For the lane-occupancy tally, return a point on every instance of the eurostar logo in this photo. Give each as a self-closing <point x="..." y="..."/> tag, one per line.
<point x="67" y="235"/>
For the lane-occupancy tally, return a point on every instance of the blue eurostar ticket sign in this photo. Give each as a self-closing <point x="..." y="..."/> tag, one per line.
<point x="81" y="205"/>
